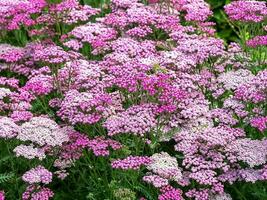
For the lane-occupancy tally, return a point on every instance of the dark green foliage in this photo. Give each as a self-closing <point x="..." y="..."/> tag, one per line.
<point x="224" y="30"/>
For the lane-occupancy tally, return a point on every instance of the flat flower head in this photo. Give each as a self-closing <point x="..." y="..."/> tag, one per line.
<point x="43" y="131"/>
<point x="37" y="175"/>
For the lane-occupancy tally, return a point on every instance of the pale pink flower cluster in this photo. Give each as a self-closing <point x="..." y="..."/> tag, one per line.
<point x="83" y="107"/>
<point x="196" y="10"/>
<point x="156" y="180"/>
<point x="233" y="79"/>
<point x="8" y="128"/>
<point x="131" y="162"/>
<point x="96" y="34"/>
<point x="80" y="74"/>
<point x="43" y="131"/>
<point x="10" y="53"/>
<point x="124" y="3"/>
<point x="37" y="175"/>
<point x="29" y="152"/>
<point x="137" y="120"/>
<point x="72" y="12"/>
<point x="252" y="152"/>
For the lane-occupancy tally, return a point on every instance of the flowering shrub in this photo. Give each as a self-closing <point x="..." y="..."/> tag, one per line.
<point x="139" y="100"/>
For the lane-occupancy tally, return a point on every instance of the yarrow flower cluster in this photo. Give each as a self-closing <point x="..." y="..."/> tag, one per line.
<point x="8" y="128"/>
<point x="100" y="146"/>
<point x="257" y="41"/>
<point x="196" y="10"/>
<point x="244" y="11"/>
<point x="131" y="162"/>
<point x="71" y="12"/>
<point x="252" y="152"/>
<point x="83" y="107"/>
<point x="137" y="120"/>
<point x="233" y="79"/>
<point x="37" y="175"/>
<point x="165" y="166"/>
<point x="259" y="123"/>
<point x="29" y="152"/>
<point x="156" y="180"/>
<point x="16" y="13"/>
<point x="37" y="193"/>
<point x="42" y="131"/>
<point x="96" y="34"/>
<point x="144" y="87"/>
<point x="10" y="53"/>
<point x="170" y="193"/>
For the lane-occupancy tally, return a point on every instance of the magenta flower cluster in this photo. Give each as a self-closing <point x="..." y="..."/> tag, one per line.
<point x="247" y="11"/>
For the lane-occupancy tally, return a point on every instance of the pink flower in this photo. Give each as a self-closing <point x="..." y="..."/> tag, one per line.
<point x="131" y="162"/>
<point x="153" y="1"/>
<point x="100" y="146"/>
<point x="156" y="180"/>
<point x="37" y="175"/>
<point x="34" y="192"/>
<point x="8" y="128"/>
<point x="259" y="123"/>
<point x="43" y="131"/>
<point x="2" y="195"/>
<point x="247" y="10"/>
<point x="257" y="41"/>
<point x="170" y="193"/>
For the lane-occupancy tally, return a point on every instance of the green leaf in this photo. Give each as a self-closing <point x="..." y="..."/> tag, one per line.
<point x="6" y="177"/>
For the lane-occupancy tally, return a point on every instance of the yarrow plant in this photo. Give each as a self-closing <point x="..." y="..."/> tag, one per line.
<point x="132" y="100"/>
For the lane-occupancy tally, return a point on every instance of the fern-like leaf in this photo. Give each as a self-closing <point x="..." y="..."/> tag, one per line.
<point x="144" y="192"/>
<point x="6" y="177"/>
